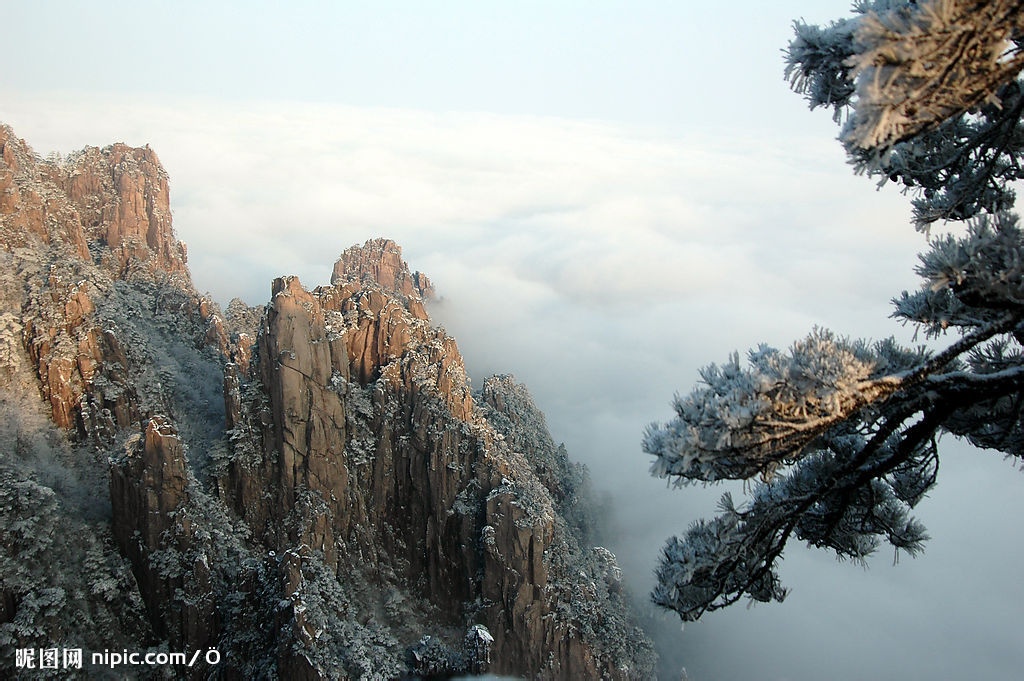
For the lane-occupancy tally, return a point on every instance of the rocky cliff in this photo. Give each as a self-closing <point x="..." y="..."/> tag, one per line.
<point x="311" y="488"/>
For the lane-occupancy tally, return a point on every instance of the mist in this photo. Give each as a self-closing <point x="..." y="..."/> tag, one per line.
<point x="603" y="266"/>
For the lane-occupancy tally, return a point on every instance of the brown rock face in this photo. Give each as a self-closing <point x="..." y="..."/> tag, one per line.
<point x="117" y="196"/>
<point x="78" y="229"/>
<point x="122" y="197"/>
<point x="149" y="494"/>
<point x="380" y="261"/>
<point x="31" y="203"/>
<point x="375" y="453"/>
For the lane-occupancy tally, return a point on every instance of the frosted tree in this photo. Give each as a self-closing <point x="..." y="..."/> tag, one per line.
<point x="929" y="95"/>
<point x="839" y="436"/>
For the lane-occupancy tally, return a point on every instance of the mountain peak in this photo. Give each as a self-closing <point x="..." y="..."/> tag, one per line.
<point x="116" y="197"/>
<point x="380" y="260"/>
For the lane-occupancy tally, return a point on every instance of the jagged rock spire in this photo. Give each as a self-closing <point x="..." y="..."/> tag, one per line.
<point x="380" y="260"/>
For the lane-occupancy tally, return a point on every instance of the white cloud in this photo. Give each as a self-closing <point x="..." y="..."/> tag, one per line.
<point x="597" y="212"/>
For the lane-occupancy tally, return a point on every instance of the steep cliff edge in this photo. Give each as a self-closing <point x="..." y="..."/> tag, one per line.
<point x="100" y="329"/>
<point x="378" y="458"/>
<point x="312" y="489"/>
<point x="94" y="275"/>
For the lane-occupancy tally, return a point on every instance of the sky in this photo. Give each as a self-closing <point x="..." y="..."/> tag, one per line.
<point x="608" y="196"/>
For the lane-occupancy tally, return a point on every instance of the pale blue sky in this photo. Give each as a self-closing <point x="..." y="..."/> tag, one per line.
<point x="666" y="64"/>
<point x="608" y="195"/>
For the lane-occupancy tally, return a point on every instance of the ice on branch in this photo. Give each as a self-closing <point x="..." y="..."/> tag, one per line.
<point x="920" y="64"/>
<point x="746" y="421"/>
<point x="969" y="281"/>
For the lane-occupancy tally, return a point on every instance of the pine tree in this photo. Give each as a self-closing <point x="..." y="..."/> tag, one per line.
<point x="843" y="433"/>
